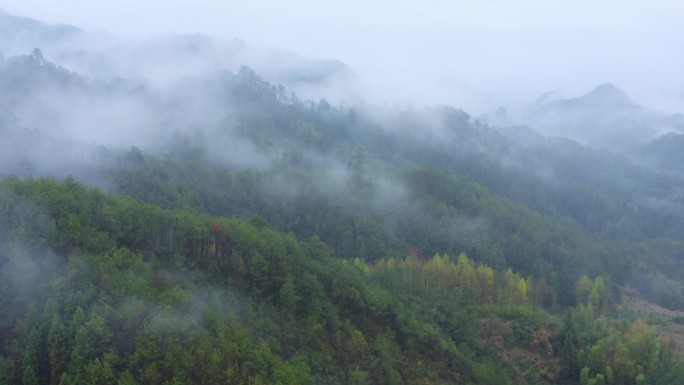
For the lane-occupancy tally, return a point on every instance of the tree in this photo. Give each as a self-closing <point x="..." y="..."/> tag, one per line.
<point x="4" y="374"/>
<point x="57" y="345"/>
<point x="37" y="56"/>
<point x="568" y="348"/>
<point x="583" y="289"/>
<point x="32" y="358"/>
<point x="584" y="376"/>
<point x="101" y="371"/>
<point x="598" y="296"/>
<point x="288" y="296"/>
<point x="523" y="289"/>
<point x="600" y="379"/>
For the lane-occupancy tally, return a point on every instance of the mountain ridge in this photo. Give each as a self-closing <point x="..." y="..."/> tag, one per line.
<point x="236" y="232"/>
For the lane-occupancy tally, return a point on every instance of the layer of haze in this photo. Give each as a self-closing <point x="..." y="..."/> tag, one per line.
<point x="467" y="54"/>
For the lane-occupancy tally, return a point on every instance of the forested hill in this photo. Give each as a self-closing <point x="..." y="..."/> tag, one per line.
<point x="98" y="289"/>
<point x="234" y="233"/>
<point x="369" y="181"/>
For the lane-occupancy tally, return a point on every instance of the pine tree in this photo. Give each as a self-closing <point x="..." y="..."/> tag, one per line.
<point x="4" y="374"/>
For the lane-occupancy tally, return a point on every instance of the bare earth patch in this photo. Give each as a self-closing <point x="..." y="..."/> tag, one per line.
<point x="661" y="317"/>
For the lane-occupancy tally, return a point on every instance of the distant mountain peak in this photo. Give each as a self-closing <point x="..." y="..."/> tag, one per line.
<point x="548" y="97"/>
<point x="607" y="94"/>
<point x="608" y="88"/>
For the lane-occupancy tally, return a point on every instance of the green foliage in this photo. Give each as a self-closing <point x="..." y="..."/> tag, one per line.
<point x="141" y="294"/>
<point x="612" y="352"/>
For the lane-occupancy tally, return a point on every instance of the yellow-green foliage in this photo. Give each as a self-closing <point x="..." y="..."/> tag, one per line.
<point x="445" y="277"/>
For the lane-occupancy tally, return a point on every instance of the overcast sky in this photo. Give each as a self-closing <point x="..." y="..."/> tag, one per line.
<point x="513" y="49"/>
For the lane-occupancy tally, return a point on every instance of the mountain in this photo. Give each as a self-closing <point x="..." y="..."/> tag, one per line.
<point x="548" y="97"/>
<point x="344" y="149"/>
<point x="155" y="62"/>
<point x="605" y="117"/>
<point x="605" y="97"/>
<point x="187" y="222"/>
<point x="21" y="34"/>
<point x="665" y="153"/>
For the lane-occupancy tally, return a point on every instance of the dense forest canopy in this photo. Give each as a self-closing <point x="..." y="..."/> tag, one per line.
<point x="219" y="228"/>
